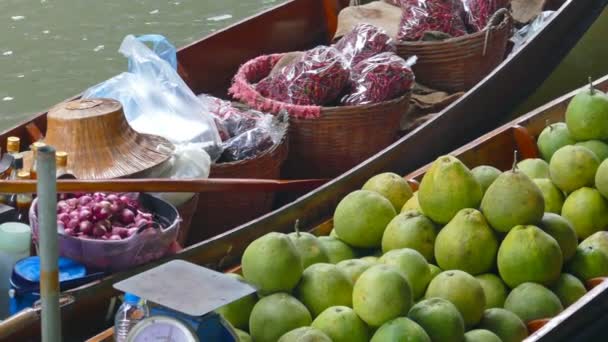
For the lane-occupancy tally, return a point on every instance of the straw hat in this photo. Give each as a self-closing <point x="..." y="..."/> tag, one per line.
<point x="99" y="141"/>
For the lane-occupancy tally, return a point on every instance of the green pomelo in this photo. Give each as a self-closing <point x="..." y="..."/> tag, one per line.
<point x="505" y="324"/>
<point x="440" y="319"/>
<point x="310" y="249"/>
<point x="598" y="239"/>
<point x="380" y="294"/>
<point x="342" y="324"/>
<point x="333" y="233"/>
<point x="599" y="148"/>
<point x="494" y="289"/>
<point x="587" y="210"/>
<point x="400" y="330"/>
<point x="374" y="260"/>
<point x="447" y="187"/>
<point x="568" y="289"/>
<point x="305" y="334"/>
<point x="272" y="263"/>
<point x="485" y="176"/>
<point x="552" y="138"/>
<point x="587" y="115"/>
<point x="435" y="270"/>
<point x="323" y="286"/>
<point x="481" y="335"/>
<point x="466" y="243"/>
<point x="532" y="301"/>
<point x="392" y="186"/>
<point x="588" y="262"/>
<point x="361" y="217"/>
<point x="410" y="230"/>
<point x="512" y="199"/>
<point x="562" y="231"/>
<point x="553" y="196"/>
<point x="274" y="315"/>
<point x="601" y="178"/>
<point x="412" y="203"/>
<point x="534" y="168"/>
<point x="573" y="167"/>
<point x="335" y="249"/>
<point x="463" y="290"/>
<point x="412" y="265"/>
<point x="242" y="336"/>
<point x="237" y="313"/>
<point x="353" y="268"/>
<point x="527" y="254"/>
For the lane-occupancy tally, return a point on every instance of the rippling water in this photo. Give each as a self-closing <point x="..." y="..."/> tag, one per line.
<point x="52" y="49"/>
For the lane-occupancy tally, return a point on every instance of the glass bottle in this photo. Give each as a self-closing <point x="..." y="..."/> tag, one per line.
<point x="16" y="166"/>
<point x="61" y="159"/>
<point x="130" y="313"/>
<point x="23" y="200"/>
<point x="35" y="147"/>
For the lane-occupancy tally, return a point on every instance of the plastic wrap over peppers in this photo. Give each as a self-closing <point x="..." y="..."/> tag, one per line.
<point x="362" y="42"/>
<point x="422" y="16"/>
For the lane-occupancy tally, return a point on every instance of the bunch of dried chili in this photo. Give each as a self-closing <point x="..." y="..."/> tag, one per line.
<point x="362" y="42"/>
<point x="420" y="16"/>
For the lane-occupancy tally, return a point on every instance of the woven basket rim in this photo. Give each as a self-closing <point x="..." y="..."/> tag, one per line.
<point x="272" y="150"/>
<point x="504" y="23"/>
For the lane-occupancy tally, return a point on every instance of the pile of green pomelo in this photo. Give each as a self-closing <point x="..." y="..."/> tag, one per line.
<point x="473" y="255"/>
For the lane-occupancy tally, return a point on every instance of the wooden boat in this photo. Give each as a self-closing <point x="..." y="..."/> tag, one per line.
<point x="298" y="24"/>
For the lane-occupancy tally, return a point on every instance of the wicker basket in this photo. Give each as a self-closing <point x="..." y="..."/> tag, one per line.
<point x="457" y="64"/>
<point x="324" y="142"/>
<point x="219" y="212"/>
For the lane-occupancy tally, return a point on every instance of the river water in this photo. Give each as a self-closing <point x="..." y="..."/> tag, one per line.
<point x="52" y="49"/>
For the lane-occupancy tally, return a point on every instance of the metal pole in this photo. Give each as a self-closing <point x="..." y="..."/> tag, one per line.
<point x="49" y="251"/>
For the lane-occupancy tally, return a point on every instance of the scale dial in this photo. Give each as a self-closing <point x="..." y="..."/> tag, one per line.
<point x="161" y="329"/>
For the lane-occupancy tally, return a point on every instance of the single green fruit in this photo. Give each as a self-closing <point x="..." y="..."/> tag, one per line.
<point x="333" y="233"/>
<point x="588" y="262"/>
<point x="335" y="249"/>
<point x="562" y="231"/>
<point x="513" y="199"/>
<point x="601" y="178"/>
<point x="342" y="324"/>
<point x="400" y="330"/>
<point x="392" y="186"/>
<point x="412" y="203"/>
<point x="276" y="314"/>
<point x="353" y="268"/>
<point x="587" y="210"/>
<point x="494" y="289"/>
<point x="573" y="167"/>
<point x="374" y="260"/>
<point x="435" y="270"/>
<point x="532" y="301"/>
<point x="410" y="230"/>
<point x="598" y="240"/>
<point x="380" y="294"/>
<point x="305" y="334"/>
<point x="553" y="196"/>
<point x="466" y="243"/>
<point x="587" y="115"/>
<point x="481" y="335"/>
<point x="485" y="176"/>
<point x="447" y="187"/>
<point x="440" y="319"/>
<point x="534" y="168"/>
<point x="272" y="263"/>
<point x="463" y="290"/>
<point x="552" y="138"/>
<point x="568" y="289"/>
<point x="505" y="324"/>
<point x="527" y="254"/>
<point x="237" y="313"/>
<point x="599" y="148"/>
<point x="361" y="217"/>
<point x="310" y="249"/>
<point x="242" y="336"/>
<point x="328" y="280"/>
<point x="412" y="265"/>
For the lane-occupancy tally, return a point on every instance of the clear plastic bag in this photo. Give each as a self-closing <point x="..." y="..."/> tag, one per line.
<point x="362" y="42"/>
<point x="525" y="33"/>
<point x="157" y="101"/>
<point x="316" y="78"/>
<point x="479" y="12"/>
<point x="420" y="16"/>
<point x="380" y="78"/>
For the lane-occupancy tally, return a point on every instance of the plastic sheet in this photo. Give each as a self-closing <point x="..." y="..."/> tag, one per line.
<point x="364" y="41"/>
<point x="316" y="78"/>
<point x="527" y="32"/>
<point x="420" y="16"/>
<point x="380" y="78"/>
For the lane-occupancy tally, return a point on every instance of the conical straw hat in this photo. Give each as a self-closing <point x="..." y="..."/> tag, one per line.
<point x="99" y="141"/>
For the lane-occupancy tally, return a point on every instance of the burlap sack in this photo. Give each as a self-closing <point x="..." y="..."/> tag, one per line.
<point x="377" y="13"/>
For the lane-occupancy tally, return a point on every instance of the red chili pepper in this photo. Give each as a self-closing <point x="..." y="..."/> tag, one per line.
<point x="420" y="16"/>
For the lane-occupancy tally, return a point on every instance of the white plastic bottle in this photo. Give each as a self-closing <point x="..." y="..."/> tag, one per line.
<point x="130" y="312"/>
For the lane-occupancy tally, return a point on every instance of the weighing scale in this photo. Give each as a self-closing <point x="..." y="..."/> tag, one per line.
<point x="182" y="297"/>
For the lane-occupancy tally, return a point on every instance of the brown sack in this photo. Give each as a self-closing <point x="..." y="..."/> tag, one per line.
<point x="377" y="13"/>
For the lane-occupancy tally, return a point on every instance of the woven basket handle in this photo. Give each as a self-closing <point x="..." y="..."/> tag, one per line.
<point x="500" y="17"/>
